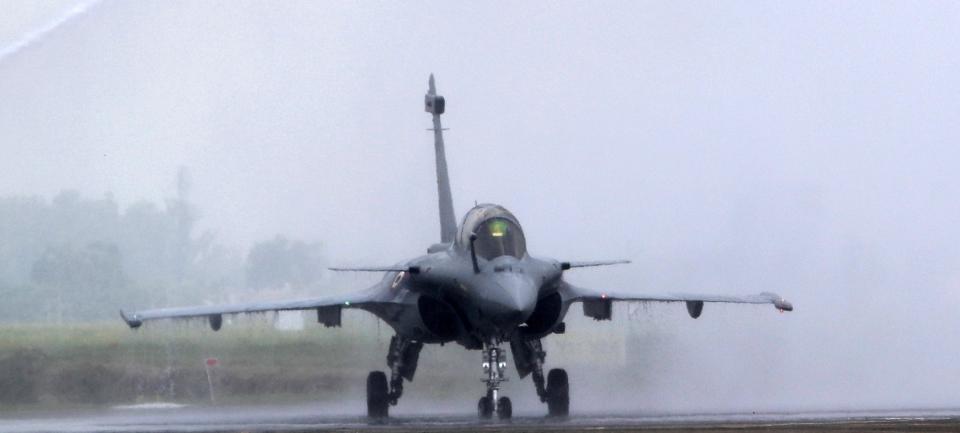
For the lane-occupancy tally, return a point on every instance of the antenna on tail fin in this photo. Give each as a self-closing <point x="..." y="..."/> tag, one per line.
<point x="435" y="105"/>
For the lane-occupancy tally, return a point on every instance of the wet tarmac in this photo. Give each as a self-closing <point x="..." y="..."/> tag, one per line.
<point x="304" y="418"/>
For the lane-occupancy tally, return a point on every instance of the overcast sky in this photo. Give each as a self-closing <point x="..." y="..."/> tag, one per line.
<point x="809" y="148"/>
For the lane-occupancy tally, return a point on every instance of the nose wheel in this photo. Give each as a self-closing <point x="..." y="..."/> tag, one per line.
<point x="494" y="362"/>
<point x="504" y="408"/>
<point x="485" y="408"/>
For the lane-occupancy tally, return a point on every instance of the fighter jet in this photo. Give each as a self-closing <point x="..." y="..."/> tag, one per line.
<point x="478" y="287"/>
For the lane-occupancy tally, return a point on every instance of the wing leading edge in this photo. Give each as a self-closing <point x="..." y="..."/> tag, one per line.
<point x="328" y="309"/>
<point x="598" y="303"/>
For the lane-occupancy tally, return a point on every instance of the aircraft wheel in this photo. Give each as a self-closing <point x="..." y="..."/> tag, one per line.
<point x="558" y="393"/>
<point x="485" y="407"/>
<point x="504" y="408"/>
<point x="378" y="399"/>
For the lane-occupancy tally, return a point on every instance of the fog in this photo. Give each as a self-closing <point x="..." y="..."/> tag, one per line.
<point x="804" y="148"/>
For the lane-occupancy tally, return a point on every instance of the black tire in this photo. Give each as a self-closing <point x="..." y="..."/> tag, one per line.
<point x="485" y="407"/>
<point x="378" y="396"/>
<point x="558" y="393"/>
<point x="504" y="408"/>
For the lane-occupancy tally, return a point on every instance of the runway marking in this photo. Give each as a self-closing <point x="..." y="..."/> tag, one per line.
<point x="147" y="406"/>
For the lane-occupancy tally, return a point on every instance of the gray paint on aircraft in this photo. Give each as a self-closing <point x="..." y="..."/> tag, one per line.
<point x="479" y="287"/>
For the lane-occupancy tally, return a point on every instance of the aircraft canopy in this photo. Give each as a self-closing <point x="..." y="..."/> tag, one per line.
<point x="498" y="232"/>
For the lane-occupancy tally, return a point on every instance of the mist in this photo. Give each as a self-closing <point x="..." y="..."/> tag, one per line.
<point x="808" y="149"/>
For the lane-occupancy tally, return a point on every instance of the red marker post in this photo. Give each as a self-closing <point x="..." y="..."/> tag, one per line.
<point x="208" y="364"/>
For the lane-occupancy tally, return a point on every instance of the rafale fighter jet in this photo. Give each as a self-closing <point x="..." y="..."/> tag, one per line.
<point x="478" y="287"/>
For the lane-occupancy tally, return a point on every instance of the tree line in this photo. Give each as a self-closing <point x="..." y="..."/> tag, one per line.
<point x="75" y="258"/>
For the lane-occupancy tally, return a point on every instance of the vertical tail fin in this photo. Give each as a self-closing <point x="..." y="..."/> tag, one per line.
<point x="435" y="105"/>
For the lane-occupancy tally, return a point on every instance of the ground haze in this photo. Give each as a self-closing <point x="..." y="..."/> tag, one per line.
<point x="160" y="153"/>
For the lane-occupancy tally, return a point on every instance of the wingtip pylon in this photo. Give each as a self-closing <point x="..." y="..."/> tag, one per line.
<point x="133" y="322"/>
<point x="778" y="302"/>
<point x="783" y="305"/>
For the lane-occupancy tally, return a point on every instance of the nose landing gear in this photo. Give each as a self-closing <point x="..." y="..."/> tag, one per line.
<point x="494" y="361"/>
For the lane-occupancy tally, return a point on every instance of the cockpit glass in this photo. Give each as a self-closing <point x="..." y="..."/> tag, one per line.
<point x="499" y="237"/>
<point x="498" y="228"/>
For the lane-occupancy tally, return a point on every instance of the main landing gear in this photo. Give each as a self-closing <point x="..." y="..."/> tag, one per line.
<point x="529" y="357"/>
<point x="494" y="361"/>
<point x="402" y="360"/>
<point x="558" y="393"/>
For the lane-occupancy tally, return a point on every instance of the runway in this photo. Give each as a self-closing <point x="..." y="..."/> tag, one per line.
<point x="305" y="418"/>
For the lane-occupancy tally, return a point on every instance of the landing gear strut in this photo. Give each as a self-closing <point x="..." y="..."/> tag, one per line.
<point x="494" y="361"/>
<point x="402" y="359"/>
<point x="529" y="357"/>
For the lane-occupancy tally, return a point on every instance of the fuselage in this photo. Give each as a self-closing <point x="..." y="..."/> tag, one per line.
<point x="482" y="288"/>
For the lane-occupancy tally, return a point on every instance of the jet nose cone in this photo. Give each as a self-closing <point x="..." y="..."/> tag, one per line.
<point x="511" y="300"/>
<point x="512" y="311"/>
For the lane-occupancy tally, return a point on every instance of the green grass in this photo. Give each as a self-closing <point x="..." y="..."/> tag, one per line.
<point x="109" y="363"/>
<point x="57" y="366"/>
